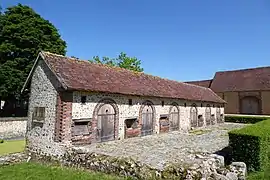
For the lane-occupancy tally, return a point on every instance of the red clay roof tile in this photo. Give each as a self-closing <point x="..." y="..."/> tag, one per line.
<point x="86" y="76"/>
<point x="203" y="83"/>
<point x="242" y="80"/>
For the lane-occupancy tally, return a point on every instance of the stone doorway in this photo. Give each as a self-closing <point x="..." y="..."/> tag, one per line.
<point x="147" y="120"/>
<point x="208" y="115"/>
<point x="193" y="116"/>
<point x="106" y="123"/>
<point x="174" y="119"/>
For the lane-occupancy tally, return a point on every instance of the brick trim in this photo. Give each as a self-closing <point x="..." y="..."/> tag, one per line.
<point x="63" y="119"/>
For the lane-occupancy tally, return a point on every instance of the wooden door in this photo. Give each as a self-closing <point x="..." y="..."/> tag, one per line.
<point x="208" y="115"/>
<point x="193" y="116"/>
<point x="147" y="120"/>
<point x="250" y="105"/>
<point x="174" y="119"/>
<point x="106" y="123"/>
<point x="218" y="114"/>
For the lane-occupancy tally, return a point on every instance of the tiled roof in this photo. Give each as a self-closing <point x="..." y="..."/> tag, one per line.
<point x="86" y="76"/>
<point x="242" y="80"/>
<point x="203" y="83"/>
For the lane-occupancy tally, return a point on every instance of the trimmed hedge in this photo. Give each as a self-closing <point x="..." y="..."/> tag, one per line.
<point x="245" y="119"/>
<point x="251" y="145"/>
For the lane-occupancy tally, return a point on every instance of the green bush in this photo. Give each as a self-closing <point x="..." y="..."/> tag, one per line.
<point x="245" y="119"/>
<point x="1" y="141"/>
<point x="251" y="145"/>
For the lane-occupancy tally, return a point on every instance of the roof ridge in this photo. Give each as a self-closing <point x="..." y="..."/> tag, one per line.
<point x="199" y="80"/>
<point x="123" y="69"/>
<point x="245" y="69"/>
<point x="196" y="85"/>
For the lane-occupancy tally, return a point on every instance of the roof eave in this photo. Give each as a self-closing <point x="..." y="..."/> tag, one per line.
<point x="30" y="74"/>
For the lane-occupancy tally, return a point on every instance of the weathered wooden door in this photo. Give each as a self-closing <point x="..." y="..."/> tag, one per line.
<point x="106" y="123"/>
<point x="208" y="115"/>
<point x="147" y="120"/>
<point x="218" y="114"/>
<point x="174" y="119"/>
<point x="193" y="116"/>
<point x="250" y="105"/>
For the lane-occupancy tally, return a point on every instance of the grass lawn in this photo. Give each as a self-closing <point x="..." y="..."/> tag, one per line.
<point x="12" y="146"/>
<point x="35" y="171"/>
<point x="258" y="176"/>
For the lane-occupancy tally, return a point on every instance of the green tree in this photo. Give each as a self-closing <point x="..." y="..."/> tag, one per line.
<point x="23" y="33"/>
<point x="104" y="60"/>
<point x="123" y="61"/>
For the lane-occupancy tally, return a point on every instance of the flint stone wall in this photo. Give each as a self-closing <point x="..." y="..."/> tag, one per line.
<point x="12" y="127"/>
<point x="43" y="94"/>
<point x="126" y="111"/>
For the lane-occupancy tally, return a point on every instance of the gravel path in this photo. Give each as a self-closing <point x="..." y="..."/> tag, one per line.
<point x="173" y="147"/>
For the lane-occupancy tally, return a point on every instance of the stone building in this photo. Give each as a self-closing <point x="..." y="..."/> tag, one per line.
<point x="77" y="102"/>
<point x="246" y="91"/>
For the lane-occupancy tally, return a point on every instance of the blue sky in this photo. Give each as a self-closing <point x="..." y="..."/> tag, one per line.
<point x="180" y="40"/>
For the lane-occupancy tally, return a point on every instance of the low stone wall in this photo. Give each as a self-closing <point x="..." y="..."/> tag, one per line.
<point x="212" y="167"/>
<point x="12" y="127"/>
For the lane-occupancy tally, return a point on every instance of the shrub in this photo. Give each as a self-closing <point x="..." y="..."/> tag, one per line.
<point x="1" y="141"/>
<point x="245" y="119"/>
<point x="251" y="144"/>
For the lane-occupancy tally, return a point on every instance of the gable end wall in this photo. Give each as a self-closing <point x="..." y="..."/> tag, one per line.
<point x="43" y="94"/>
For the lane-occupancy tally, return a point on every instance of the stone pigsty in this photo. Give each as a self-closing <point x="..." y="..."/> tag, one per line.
<point x="78" y="102"/>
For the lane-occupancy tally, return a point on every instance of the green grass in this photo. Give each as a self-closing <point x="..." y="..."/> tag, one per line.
<point x="35" y="171"/>
<point x="245" y="119"/>
<point x="199" y="131"/>
<point x="259" y="176"/>
<point x="12" y="147"/>
<point x="261" y="129"/>
<point x="256" y="176"/>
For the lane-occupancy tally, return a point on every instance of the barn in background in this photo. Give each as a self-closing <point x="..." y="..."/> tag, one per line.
<point x="246" y="91"/>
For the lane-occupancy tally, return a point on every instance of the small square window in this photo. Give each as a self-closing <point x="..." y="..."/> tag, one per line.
<point x="162" y="103"/>
<point x="83" y="99"/>
<point x="130" y="102"/>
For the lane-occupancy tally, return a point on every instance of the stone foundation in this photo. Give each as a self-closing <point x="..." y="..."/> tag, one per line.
<point x="211" y="168"/>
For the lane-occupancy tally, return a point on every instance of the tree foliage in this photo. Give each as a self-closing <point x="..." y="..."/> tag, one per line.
<point x="23" y="33"/>
<point x="123" y="61"/>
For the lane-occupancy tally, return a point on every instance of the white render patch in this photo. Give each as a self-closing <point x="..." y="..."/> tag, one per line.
<point x="85" y="110"/>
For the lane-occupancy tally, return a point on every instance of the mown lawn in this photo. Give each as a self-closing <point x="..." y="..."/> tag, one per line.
<point x="35" y="171"/>
<point x="258" y="176"/>
<point x="12" y="146"/>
